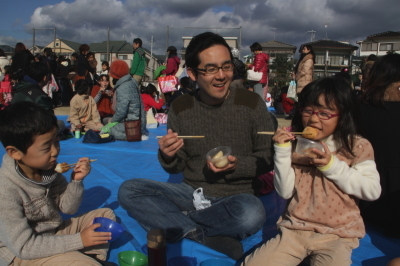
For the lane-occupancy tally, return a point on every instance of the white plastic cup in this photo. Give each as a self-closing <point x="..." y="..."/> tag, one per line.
<point x="304" y="147"/>
<point x="220" y="162"/>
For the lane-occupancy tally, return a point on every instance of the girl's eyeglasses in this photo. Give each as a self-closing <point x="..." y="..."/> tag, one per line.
<point x="321" y="115"/>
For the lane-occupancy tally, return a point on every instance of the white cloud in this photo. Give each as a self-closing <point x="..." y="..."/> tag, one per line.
<point x="86" y="21"/>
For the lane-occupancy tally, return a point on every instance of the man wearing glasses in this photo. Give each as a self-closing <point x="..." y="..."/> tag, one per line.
<point x="229" y="210"/>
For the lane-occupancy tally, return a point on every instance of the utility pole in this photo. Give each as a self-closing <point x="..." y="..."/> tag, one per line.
<point x="167" y="44"/>
<point x="33" y="41"/>
<point x="54" y="42"/>
<point x="151" y="58"/>
<point x="240" y="41"/>
<point x="326" y="27"/>
<point x="312" y="37"/>
<point x="108" y="44"/>
<point x="274" y="29"/>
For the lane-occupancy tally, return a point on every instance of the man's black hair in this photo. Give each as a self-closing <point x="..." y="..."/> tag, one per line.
<point x="200" y="43"/>
<point x="37" y="71"/>
<point x="138" y="41"/>
<point x="22" y="121"/>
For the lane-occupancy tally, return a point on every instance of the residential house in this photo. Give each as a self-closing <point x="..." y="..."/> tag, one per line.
<point x="63" y="47"/>
<point x="274" y="48"/>
<point x="331" y="56"/>
<point x="8" y="50"/>
<point x="36" y="49"/>
<point x="380" y="43"/>
<point x="123" y="50"/>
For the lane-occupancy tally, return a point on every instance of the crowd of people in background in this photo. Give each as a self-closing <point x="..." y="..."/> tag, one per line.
<point x="104" y="99"/>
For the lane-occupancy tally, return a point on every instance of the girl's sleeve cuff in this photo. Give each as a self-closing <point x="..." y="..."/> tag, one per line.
<point x="326" y="167"/>
<point x="286" y="144"/>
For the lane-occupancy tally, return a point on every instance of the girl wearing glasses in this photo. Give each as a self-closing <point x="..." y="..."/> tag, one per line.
<point x="322" y="219"/>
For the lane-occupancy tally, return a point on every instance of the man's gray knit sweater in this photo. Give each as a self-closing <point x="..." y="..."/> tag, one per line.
<point x="29" y="215"/>
<point x="235" y="124"/>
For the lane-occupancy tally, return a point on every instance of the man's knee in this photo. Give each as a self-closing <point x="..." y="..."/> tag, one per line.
<point x="249" y="211"/>
<point x="129" y="189"/>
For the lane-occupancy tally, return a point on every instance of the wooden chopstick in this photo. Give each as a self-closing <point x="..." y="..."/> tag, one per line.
<point x="185" y="137"/>
<point x="272" y="133"/>
<point x="77" y="163"/>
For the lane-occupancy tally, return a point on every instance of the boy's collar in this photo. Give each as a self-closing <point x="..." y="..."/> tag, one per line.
<point x="48" y="176"/>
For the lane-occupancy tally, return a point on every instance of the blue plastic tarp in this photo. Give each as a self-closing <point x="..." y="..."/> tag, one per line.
<point x="120" y="160"/>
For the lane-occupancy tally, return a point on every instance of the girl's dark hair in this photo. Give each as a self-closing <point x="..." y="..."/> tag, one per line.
<point x="105" y="63"/>
<point x="89" y="54"/>
<point x="336" y="93"/>
<point x="61" y="58"/>
<point x="7" y="69"/>
<point x="82" y="87"/>
<point x="309" y="47"/>
<point x="255" y="47"/>
<point x="372" y="57"/>
<point x="384" y="72"/>
<point x="149" y="89"/>
<point x="107" y="78"/>
<point x="39" y="56"/>
<point x="20" y="47"/>
<point x="172" y="51"/>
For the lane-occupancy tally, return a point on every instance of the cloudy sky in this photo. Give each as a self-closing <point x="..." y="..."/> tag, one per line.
<point x="288" y="21"/>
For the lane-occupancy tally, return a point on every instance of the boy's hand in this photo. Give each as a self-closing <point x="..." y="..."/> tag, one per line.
<point x="282" y="136"/>
<point x="91" y="238"/>
<point x="81" y="169"/>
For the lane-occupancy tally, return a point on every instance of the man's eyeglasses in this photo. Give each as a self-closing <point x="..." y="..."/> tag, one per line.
<point x="321" y="115"/>
<point x="227" y="67"/>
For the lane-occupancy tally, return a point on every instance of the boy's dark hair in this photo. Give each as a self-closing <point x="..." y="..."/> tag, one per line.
<point x="82" y="87"/>
<point x="22" y="121"/>
<point x="74" y="55"/>
<point x="138" y="41"/>
<point x="47" y="51"/>
<point x="255" y="47"/>
<point x="37" y="71"/>
<point x="336" y="92"/>
<point x="83" y="48"/>
<point x="185" y="83"/>
<point x="345" y="76"/>
<point x="200" y="43"/>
